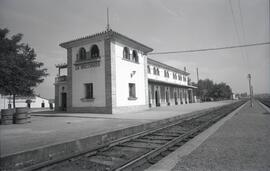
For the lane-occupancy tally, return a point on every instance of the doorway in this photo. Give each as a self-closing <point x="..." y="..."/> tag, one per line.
<point x="157" y="98"/>
<point x="185" y="96"/>
<point x="181" y="97"/>
<point x="190" y="96"/>
<point x="149" y="97"/>
<point x="175" y="98"/>
<point x="64" y="101"/>
<point x="167" y="98"/>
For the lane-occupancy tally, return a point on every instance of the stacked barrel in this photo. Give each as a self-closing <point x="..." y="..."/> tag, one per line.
<point x="22" y="115"/>
<point x="19" y="116"/>
<point x="7" y="116"/>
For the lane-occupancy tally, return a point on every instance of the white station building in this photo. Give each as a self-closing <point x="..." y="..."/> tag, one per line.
<point x="110" y="73"/>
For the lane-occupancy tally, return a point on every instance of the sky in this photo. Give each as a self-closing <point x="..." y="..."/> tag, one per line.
<point x="164" y="25"/>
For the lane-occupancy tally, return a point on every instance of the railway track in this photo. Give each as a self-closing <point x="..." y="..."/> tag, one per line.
<point x="141" y="151"/>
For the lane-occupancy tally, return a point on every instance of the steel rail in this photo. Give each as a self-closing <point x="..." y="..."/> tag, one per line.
<point x="148" y="156"/>
<point x="129" y="164"/>
<point x="104" y="147"/>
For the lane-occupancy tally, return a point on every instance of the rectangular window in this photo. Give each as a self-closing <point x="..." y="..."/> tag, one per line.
<point x="166" y="73"/>
<point x="180" y="77"/>
<point x="89" y="91"/>
<point x="174" y="76"/>
<point x="132" y="90"/>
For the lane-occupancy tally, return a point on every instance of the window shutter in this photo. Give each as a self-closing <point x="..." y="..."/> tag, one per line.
<point x="91" y="90"/>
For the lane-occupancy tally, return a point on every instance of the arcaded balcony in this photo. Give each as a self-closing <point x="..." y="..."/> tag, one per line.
<point x="62" y="73"/>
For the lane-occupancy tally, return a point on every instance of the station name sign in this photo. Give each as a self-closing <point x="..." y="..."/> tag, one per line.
<point x="87" y="64"/>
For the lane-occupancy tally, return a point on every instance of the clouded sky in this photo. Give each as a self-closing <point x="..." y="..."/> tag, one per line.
<point x="169" y="25"/>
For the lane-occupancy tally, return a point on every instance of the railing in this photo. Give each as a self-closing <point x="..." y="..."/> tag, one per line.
<point x="62" y="78"/>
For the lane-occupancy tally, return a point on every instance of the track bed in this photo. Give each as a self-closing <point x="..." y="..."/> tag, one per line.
<point x="140" y="152"/>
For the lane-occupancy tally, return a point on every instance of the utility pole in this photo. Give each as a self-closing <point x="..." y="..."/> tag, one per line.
<point x="196" y="91"/>
<point x="197" y="75"/>
<point x="250" y="90"/>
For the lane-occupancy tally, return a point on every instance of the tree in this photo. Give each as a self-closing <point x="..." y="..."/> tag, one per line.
<point x="222" y="91"/>
<point x="205" y="88"/>
<point x="208" y="90"/>
<point x="19" y="70"/>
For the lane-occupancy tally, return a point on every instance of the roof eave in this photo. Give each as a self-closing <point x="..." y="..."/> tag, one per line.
<point x="111" y="34"/>
<point x="119" y="37"/>
<point x="165" y="82"/>
<point x="154" y="62"/>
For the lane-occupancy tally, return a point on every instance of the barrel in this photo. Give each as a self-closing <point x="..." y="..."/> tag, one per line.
<point x="22" y="115"/>
<point x="7" y="116"/>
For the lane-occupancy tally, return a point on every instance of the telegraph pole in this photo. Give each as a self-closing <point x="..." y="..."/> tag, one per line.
<point x="197" y="75"/>
<point x="250" y="90"/>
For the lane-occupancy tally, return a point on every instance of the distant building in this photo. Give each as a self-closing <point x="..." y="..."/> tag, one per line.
<point x="234" y="96"/>
<point x="110" y="73"/>
<point x="243" y="95"/>
<point x="31" y="102"/>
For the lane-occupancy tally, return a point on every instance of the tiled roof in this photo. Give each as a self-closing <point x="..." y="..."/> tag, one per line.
<point x="103" y="34"/>
<point x="82" y="38"/>
<point x="165" y="66"/>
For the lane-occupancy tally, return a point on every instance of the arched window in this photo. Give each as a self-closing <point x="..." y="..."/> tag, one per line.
<point x="126" y="53"/>
<point x="148" y="69"/>
<point x="94" y="51"/>
<point x="82" y="54"/>
<point x="135" y="56"/>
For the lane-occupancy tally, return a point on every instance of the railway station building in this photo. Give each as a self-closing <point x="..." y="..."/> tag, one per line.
<point x="110" y="73"/>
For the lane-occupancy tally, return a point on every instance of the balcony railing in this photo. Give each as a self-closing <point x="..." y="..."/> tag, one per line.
<point x="62" y="78"/>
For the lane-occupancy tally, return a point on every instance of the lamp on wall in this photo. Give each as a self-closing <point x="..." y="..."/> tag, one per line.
<point x="132" y="73"/>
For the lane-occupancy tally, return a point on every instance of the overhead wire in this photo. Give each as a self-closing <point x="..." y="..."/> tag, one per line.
<point x="243" y="31"/>
<point x="211" y="49"/>
<point x="237" y="34"/>
<point x="226" y="47"/>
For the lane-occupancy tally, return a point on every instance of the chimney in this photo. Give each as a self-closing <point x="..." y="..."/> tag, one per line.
<point x="185" y="69"/>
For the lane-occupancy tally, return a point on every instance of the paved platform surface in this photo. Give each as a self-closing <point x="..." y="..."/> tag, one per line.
<point x="53" y="128"/>
<point x="241" y="143"/>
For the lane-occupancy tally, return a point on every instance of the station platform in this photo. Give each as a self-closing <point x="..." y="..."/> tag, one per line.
<point x="240" y="141"/>
<point x="50" y="128"/>
<point x="53" y="134"/>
